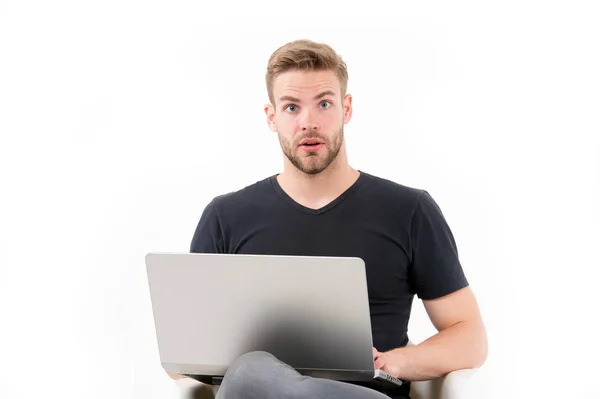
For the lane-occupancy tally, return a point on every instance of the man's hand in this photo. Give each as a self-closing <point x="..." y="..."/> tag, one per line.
<point x="392" y="362"/>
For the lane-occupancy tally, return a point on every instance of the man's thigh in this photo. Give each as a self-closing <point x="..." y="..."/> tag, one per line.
<point x="260" y="375"/>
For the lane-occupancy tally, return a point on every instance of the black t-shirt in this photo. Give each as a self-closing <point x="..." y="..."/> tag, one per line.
<point x="399" y="232"/>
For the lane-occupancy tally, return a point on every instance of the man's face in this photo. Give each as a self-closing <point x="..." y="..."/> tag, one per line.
<point x="309" y="116"/>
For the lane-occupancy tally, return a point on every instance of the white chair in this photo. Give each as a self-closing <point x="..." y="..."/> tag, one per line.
<point x="454" y="385"/>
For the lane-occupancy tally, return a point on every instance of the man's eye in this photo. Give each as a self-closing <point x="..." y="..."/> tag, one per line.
<point x="325" y="104"/>
<point x="291" y="107"/>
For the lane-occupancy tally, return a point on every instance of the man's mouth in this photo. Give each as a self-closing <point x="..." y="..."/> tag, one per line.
<point x="310" y="142"/>
<point x="314" y="147"/>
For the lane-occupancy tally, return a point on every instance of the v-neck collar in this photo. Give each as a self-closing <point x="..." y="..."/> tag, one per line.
<point x="325" y="208"/>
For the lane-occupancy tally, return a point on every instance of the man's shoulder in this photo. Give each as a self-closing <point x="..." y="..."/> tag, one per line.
<point x="248" y="194"/>
<point x="389" y="188"/>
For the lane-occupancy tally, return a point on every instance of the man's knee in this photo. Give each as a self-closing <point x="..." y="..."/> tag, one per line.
<point x="250" y="371"/>
<point x="252" y="362"/>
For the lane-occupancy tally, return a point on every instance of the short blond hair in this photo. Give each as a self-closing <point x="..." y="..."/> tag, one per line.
<point x="305" y="55"/>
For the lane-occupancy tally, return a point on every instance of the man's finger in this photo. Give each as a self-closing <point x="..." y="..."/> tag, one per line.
<point x="176" y="376"/>
<point x="379" y="363"/>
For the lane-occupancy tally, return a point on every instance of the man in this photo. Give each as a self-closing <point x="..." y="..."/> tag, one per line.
<point x="319" y="205"/>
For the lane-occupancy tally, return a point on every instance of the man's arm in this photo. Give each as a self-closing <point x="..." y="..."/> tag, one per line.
<point x="461" y="341"/>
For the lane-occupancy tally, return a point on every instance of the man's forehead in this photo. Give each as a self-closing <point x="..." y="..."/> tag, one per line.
<point x="307" y="83"/>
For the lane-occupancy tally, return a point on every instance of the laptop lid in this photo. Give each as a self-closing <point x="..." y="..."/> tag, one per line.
<point x="310" y="312"/>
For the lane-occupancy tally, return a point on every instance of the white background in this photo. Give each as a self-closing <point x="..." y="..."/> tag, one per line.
<point x="120" y="120"/>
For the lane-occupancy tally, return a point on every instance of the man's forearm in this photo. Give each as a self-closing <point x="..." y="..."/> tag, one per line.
<point x="464" y="345"/>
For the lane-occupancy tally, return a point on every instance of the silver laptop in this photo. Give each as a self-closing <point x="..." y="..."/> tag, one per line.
<point x="310" y="312"/>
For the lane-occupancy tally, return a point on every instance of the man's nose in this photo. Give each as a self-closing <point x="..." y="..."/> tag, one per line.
<point x="307" y="123"/>
<point x="310" y="127"/>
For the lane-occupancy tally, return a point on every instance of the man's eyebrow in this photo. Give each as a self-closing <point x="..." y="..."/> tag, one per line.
<point x="318" y="96"/>
<point x="289" y="98"/>
<point x="325" y="93"/>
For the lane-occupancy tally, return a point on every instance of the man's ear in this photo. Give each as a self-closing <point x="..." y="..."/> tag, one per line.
<point x="347" y="108"/>
<point x="270" y="114"/>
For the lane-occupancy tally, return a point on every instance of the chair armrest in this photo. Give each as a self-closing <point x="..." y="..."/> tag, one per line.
<point x="454" y="385"/>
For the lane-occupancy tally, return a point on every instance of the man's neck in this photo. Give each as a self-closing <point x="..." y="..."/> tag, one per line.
<point x="316" y="191"/>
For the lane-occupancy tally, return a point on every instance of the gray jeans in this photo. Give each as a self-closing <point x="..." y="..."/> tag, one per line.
<point x="260" y="375"/>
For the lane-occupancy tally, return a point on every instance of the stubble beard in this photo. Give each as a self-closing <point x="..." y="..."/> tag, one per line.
<point x="313" y="163"/>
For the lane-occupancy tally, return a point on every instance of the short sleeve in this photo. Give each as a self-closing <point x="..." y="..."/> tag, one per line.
<point x="435" y="269"/>
<point x="208" y="236"/>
